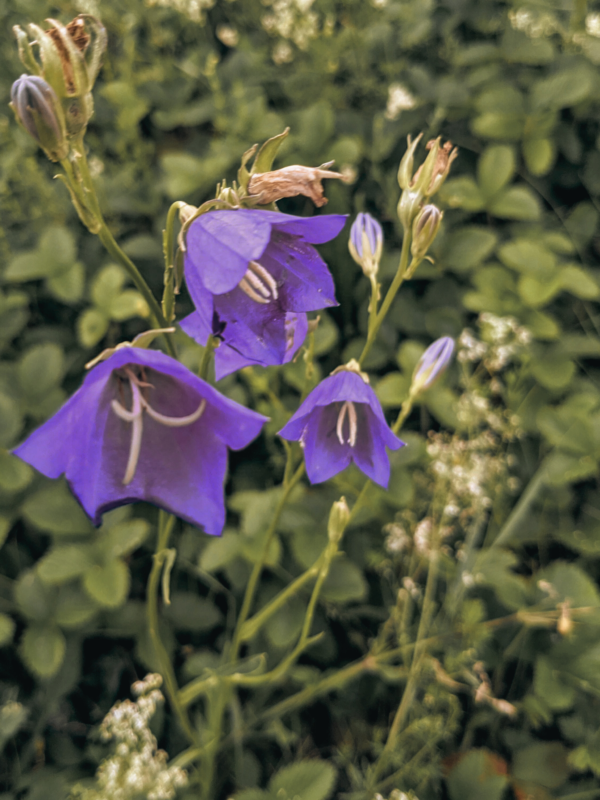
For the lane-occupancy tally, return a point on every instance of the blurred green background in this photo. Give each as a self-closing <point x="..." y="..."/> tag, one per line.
<point x="187" y="86"/>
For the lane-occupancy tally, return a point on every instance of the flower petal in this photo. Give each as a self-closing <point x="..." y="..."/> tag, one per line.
<point x="305" y="281"/>
<point x="221" y="243"/>
<point x="323" y="454"/>
<point x="369" y="453"/>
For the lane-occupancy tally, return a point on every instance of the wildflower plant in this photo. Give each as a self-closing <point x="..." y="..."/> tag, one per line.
<point x="277" y="519"/>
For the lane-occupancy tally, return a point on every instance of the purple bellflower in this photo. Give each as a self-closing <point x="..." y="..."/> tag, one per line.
<point x="341" y="421"/>
<point x="143" y="427"/>
<point x="366" y="243"/>
<point x="432" y="364"/>
<point x="253" y="275"/>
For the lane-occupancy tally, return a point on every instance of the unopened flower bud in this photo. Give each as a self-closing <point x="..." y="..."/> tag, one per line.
<point x="408" y="207"/>
<point x="38" y="110"/>
<point x="425" y="227"/>
<point x="339" y="517"/>
<point x="432" y="364"/>
<point x="434" y="171"/>
<point x="366" y="243"/>
<point x="186" y="212"/>
<point x="406" y="165"/>
<point x="69" y="60"/>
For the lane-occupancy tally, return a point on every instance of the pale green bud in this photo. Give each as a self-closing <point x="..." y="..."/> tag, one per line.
<point x="339" y="517"/>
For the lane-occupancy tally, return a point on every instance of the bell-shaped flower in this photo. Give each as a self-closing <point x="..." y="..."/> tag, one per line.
<point x="341" y="421"/>
<point x="143" y="427"/>
<point x="253" y="275"/>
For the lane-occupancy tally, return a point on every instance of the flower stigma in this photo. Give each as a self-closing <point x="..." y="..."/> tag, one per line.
<point x="349" y="410"/>
<point x="259" y="284"/>
<point x="135" y="417"/>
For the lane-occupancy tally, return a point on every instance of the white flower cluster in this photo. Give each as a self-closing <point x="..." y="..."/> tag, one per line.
<point x="399" y="99"/>
<point x="592" y="24"/>
<point x="534" y="24"/>
<point x="501" y="339"/>
<point x="291" y="20"/>
<point x="397" y="795"/>
<point x="192" y="9"/>
<point x="136" y="769"/>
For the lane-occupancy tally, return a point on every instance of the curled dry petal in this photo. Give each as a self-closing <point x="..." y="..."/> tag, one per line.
<point x="292" y="181"/>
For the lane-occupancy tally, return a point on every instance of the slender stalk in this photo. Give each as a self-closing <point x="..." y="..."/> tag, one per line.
<point x="165" y="527"/>
<point x="207" y="357"/>
<point x="519" y="513"/>
<point x="258" y="566"/>
<point x="389" y="298"/>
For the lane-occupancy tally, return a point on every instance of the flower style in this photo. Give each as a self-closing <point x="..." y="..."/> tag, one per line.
<point x="143" y="427"/>
<point x="341" y="421"/>
<point x="253" y="275"/>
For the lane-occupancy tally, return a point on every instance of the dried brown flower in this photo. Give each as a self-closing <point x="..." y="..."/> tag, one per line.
<point x="290" y="182"/>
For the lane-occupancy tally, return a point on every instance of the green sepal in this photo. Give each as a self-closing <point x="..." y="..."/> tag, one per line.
<point x="25" y="52"/>
<point x="243" y="174"/>
<point x="266" y="155"/>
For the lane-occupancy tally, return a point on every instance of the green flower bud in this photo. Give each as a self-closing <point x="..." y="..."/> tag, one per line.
<point x="38" y="110"/>
<point x="68" y="59"/>
<point x="425" y="228"/>
<point x="406" y="165"/>
<point x="339" y="517"/>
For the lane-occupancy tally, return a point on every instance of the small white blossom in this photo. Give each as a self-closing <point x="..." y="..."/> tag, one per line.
<point x="399" y="99"/>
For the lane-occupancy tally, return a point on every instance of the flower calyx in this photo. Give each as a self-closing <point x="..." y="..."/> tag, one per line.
<point x="142" y="340"/>
<point x="352" y="366"/>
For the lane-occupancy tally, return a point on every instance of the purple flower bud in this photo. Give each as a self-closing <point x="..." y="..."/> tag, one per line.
<point x="38" y="110"/>
<point x="366" y="243"/>
<point x="425" y="227"/>
<point x="340" y="422"/>
<point x="432" y="364"/>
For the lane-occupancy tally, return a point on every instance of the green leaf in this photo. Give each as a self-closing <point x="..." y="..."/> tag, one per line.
<point x="316" y="126"/>
<point x="15" y="475"/>
<point x="306" y="780"/>
<point x="548" y="686"/>
<point x="65" y="562"/>
<point x="544" y="763"/>
<point x="392" y="390"/>
<point x="567" y="87"/>
<point x="582" y="223"/>
<point x="91" y="325"/>
<point x="43" y="649"/>
<point x="107" y="285"/>
<point x="516" y="202"/>
<point x="494" y="125"/>
<point x="108" y="584"/>
<point x="326" y="335"/>
<point x="11" y="420"/>
<point x="529" y="257"/>
<point x="68" y="285"/>
<point x="34" y="600"/>
<point x="494" y="567"/>
<point x="576" y="280"/>
<point x="129" y="303"/>
<point x="189" y="612"/>
<point x="73" y="607"/>
<point x="468" y="247"/>
<point x="462" y="192"/>
<point x="7" y="628"/>
<point x="267" y="153"/>
<point x="495" y="169"/>
<point x="539" y="155"/>
<point x="57" y="245"/>
<point x="523" y="49"/>
<point x="570" y="583"/>
<point x="124" y="537"/>
<point x="220" y="551"/>
<point x="478" y="774"/>
<point x="27" y="267"/>
<point x="535" y="292"/>
<point x="344" y="583"/>
<point x="53" y="509"/>
<point x="41" y="369"/>
<point x="285" y="625"/>
<point x="553" y="371"/>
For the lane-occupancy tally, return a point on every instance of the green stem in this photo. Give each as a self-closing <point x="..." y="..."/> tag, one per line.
<point x="414" y="672"/>
<point x="165" y="527"/>
<point x="82" y="187"/>
<point x="520" y="512"/>
<point x="258" y="566"/>
<point x="207" y="357"/>
<point x="389" y="298"/>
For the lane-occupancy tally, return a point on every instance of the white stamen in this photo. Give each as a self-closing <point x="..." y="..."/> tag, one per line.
<point x="135" y="417"/>
<point x="259" y="284"/>
<point x="247" y="289"/>
<point x="259" y="270"/>
<point x="175" y="422"/>
<point x="347" y="408"/>
<point x="136" y="433"/>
